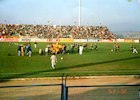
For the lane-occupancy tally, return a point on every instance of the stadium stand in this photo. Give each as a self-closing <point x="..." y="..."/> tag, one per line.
<point x="48" y="31"/>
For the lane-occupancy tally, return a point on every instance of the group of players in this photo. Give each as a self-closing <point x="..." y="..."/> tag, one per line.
<point x="24" y="49"/>
<point x="117" y="48"/>
<point x="53" y="48"/>
<point x="57" y="48"/>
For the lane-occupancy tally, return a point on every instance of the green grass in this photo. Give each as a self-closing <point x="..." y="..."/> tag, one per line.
<point x="100" y="62"/>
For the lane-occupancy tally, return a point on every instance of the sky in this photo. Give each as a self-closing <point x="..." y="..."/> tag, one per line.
<point x="117" y="15"/>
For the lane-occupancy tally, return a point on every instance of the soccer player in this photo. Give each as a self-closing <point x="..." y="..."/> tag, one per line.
<point x="96" y="47"/>
<point x="19" y="50"/>
<point x="22" y="50"/>
<point x="116" y="47"/>
<point x="46" y="50"/>
<point x="81" y="50"/>
<point x="131" y="47"/>
<point x="53" y="59"/>
<point x="40" y="51"/>
<point x="35" y="44"/>
<point x="72" y="47"/>
<point x="135" y="50"/>
<point x="29" y="50"/>
<point x="91" y="46"/>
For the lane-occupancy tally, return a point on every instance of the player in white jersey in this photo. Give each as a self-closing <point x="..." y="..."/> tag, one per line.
<point x="81" y="50"/>
<point x="134" y="50"/>
<point x="53" y="59"/>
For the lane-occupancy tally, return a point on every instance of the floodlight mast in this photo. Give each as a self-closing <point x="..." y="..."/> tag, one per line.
<point x="79" y="18"/>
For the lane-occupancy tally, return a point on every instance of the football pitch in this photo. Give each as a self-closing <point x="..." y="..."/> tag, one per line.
<point x="92" y="62"/>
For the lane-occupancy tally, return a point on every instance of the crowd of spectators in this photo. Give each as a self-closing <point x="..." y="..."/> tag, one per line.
<point x="53" y="31"/>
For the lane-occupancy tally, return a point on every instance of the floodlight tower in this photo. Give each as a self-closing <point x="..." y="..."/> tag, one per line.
<point x="79" y="18"/>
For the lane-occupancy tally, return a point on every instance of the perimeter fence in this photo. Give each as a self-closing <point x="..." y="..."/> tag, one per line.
<point x="103" y="92"/>
<point x="64" y="92"/>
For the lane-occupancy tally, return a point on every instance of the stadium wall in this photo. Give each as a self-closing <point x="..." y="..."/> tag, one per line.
<point x="28" y="39"/>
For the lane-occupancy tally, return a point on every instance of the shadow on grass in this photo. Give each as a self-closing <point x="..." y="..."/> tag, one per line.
<point x="24" y="75"/>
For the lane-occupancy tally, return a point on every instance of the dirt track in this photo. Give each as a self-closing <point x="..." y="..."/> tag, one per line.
<point x="93" y="80"/>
